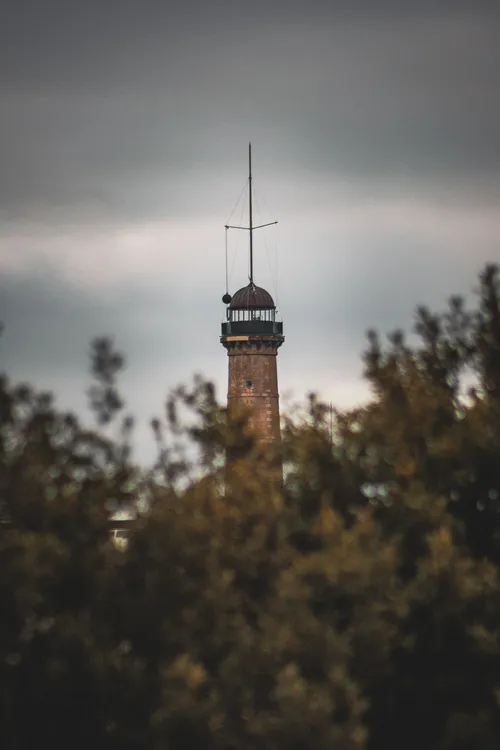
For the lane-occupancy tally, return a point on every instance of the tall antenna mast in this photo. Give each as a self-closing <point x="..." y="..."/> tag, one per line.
<point x="250" y="228"/>
<point x="250" y="213"/>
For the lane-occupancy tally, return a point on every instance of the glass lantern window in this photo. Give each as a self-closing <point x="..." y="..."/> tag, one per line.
<point x="252" y="314"/>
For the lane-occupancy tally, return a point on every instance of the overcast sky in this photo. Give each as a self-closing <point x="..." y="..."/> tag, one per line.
<point x="123" y="144"/>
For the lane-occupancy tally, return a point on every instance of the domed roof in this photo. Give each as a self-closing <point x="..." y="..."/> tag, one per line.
<point x="252" y="296"/>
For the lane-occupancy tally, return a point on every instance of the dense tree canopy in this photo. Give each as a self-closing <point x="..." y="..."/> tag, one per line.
<point x="357" y="607"/>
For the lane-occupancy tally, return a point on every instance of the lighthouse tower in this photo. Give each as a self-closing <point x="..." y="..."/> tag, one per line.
<point x="252" y="335"/>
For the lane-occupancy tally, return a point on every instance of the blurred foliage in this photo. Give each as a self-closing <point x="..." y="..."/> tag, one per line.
<point x="355" y="606"/>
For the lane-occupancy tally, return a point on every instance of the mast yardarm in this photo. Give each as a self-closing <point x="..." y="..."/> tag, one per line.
<point x="250" y="228"/>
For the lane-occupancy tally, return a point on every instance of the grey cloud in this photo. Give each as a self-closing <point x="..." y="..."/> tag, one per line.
<point x="145" y="111"/>
<point x="49" y="322"/>
<point x="36" y="37"/>
<point x="118" y="113"/>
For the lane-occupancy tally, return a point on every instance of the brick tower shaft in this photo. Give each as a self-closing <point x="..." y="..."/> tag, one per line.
<point x="253" y="385"/>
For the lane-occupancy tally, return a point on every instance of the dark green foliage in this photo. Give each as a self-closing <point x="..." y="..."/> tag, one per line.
<point x="356" y="607"/>
<point x="105" y="400"/>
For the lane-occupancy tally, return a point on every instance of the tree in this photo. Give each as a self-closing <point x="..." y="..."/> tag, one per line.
<point x="354" y="607"/>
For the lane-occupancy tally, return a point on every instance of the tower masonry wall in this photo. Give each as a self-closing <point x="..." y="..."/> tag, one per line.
<point x="253" y="385"/>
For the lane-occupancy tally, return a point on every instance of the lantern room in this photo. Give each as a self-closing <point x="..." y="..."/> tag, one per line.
<point x="251" y="311"/>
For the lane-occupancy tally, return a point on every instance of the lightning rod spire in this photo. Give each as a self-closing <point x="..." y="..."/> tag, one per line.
<point x="250" y="209"/>
<point x="250" y="228"/>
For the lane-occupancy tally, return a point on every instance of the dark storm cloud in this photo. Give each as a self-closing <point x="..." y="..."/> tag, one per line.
<point x="68" y="40"/>
<point x="140" y="109"/>
<point x="50" y="322"/>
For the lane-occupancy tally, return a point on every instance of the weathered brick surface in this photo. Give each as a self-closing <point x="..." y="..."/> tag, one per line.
<point x="253" y="384"/>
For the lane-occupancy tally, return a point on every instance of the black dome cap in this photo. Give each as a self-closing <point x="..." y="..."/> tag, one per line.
<point x="252" y="297"/>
